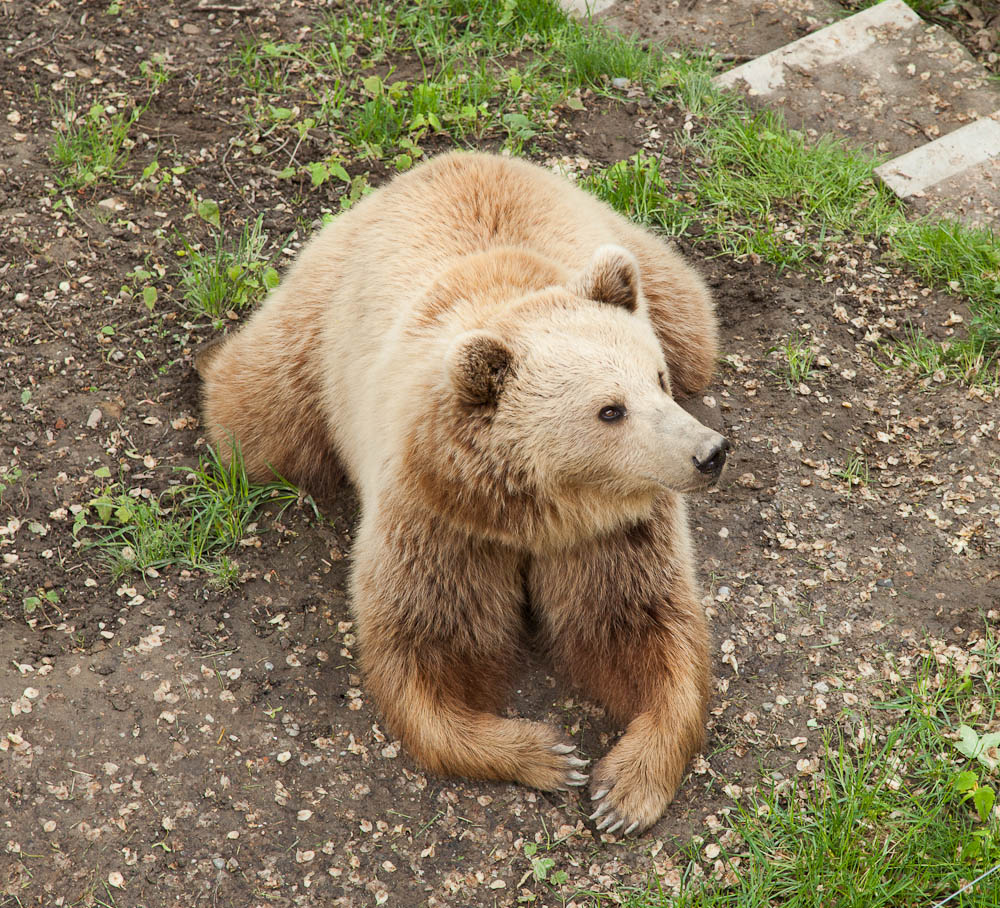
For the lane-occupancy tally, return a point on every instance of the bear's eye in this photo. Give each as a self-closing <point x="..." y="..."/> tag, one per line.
<point x="663" y="382"/>
<point x="612" y="413"/>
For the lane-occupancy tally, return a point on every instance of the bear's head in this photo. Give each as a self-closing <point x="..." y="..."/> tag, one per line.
<point x="563" y="425"/>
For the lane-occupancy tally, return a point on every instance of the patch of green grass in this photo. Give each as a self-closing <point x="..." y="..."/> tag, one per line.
<point x="758" y="189"/>
<point x="798" y="357"/>
<point x="967" y="261"/>
<point x="973" y="359"/>
<point x="473" y="71"/>
<point x="855" y="472"/>
<point x="225" y="279"/>
<point x="637" y="189"/>
<point x="192" y="525"/>
<point x="90" y="146"/>
<point x="895" y="819"/>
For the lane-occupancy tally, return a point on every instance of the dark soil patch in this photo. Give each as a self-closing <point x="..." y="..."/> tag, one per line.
<point x="164" y="743"/>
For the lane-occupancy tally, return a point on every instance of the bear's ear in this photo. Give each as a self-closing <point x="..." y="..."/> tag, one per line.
<point x="611" y="277"/>
<point x="477" y="363"/>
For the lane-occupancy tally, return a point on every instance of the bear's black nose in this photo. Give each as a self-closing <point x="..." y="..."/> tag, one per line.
<point x="714" y="460"/>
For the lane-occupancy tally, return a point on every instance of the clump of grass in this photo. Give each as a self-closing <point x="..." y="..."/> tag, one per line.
<point x="637" y="189"/>
<point x="965" y="259"/>
<point x="896" y="819"/>
<point x="90" y="146"/>
<point x="799" y="357"/>
<point x="973" y="359"/>
<point x="225" y="279"/>
<point x="192" y="525"/>
<point x="855" y="472"/>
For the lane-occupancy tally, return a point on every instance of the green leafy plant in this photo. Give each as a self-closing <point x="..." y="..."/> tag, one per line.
<point x="9" y="477"/>
<point x="90" y="146"/>
<point x="225" y="279"/>
<point x="542" y="867"/>
<point x="37" y="601"/>
<point x="194" y="524"/>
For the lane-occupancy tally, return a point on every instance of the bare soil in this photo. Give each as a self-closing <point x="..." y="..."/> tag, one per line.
<point x="165" y="743"/>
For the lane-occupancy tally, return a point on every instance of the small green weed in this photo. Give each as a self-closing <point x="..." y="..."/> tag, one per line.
<point x="799" y="357"/>
<point x="855" y="472"/>
<point x="9" y="477"/>
<point x="91" y="146"/>
<point x="154" y="72"/>
<point x="192" y="525"/>
<point x="542" y="867"/>
<point x="225" y="279"/>
<point x="38" y="601"/>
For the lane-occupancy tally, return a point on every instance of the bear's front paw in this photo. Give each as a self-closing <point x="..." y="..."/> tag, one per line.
<point x="629" y="797"/>
<point x="533" y="754"/>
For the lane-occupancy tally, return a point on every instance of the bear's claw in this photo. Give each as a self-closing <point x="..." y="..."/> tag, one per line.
<point x="613" y="821"/>
<point x="563" y="748"/>
<point x="575" y="778"/>
<point x="603" y="809"/>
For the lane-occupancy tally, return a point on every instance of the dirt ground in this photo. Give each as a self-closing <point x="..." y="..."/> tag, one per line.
<point x="163" y="743"/>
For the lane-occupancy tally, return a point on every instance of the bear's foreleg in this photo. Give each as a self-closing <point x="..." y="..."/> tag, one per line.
<point x="621" y="617"/>
<point x="440" y="625"/>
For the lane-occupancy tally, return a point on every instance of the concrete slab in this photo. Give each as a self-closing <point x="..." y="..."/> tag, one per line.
<point x="917" y="171"/>
<point x="957" y="176"/>
<point x="881" y="78"/>
<point x="583" y="8"/>
<point x="854" y="35"/>
<point x="972" y="197"/>
<point x="734" y="29"/>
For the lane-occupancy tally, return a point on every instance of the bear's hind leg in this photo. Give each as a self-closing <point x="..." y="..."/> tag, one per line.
<point x="261" y="395"/>
<point x="439" y="620"/>
<point x="622" y="620"/>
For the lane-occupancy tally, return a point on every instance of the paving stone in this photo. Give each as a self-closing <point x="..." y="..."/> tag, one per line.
<point x="957" y="175"/>
<point x="585" y="7"/>
<point x="881" y="78"/>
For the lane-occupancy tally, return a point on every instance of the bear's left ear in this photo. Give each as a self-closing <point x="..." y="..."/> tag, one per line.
<point x="477" y="363"/>
<point x="611" y="277"/>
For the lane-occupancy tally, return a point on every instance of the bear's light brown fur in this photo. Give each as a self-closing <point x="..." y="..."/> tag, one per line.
<point x="490" y="353"/>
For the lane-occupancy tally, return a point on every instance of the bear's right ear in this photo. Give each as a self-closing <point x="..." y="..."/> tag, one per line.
<point x="477" y="363"/>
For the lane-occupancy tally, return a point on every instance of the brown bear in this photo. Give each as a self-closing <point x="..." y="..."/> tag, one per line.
<point x="492" y="356"/>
